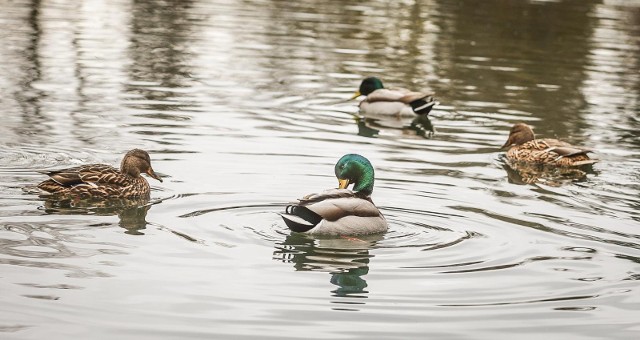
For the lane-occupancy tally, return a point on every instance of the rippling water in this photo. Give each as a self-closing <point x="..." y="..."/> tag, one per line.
<point x="243" y="108"/>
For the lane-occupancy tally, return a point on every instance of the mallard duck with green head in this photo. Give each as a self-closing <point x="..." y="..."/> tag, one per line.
<point x="393" y="101"/>
<point x="103" y="181"/>
<point x="340" y="211"/>
<point x="524" y="147"/>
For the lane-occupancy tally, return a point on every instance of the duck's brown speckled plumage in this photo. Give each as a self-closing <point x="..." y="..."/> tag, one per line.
<point x="101" y="180"/>
<point x="525" y="148"/>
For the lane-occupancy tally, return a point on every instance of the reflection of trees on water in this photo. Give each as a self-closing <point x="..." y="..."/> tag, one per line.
<point x="20" y="69"/>
<point x="131" y="212"/>
<point x="612" y="84"/>
<point x="161" y="34"/>
<point x="346" y="259"/>
<point x="534" y="52"/>
<point x="478" y="48"/>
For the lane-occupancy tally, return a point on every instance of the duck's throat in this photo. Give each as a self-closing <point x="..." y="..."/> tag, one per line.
<point x="364" y="185"/>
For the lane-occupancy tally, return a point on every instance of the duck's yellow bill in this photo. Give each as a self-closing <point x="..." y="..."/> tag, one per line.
<point x="356" y="95"/>
<point x="343" y="183"/>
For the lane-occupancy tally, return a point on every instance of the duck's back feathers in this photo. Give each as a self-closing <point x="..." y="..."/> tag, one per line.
<point x="94" y="180"/>
<point x="397" y="101"/>
<point x="551" y="151"/>
<point x="335" y="212"/>
<point x="388" y="95"/>
<point x="568" y="151"/>
<point x="92" y="173"/>
<point x="386" y="108"/>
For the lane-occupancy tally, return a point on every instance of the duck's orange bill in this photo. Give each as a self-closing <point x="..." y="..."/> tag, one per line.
<point x="356" y="95"/>
<point x="343" y="183"/>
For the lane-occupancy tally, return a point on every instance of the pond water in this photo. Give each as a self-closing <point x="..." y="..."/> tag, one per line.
<point x="243" y="107"/>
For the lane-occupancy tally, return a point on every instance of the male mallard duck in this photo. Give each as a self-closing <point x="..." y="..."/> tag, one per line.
<point x="340" y="211"/>
<point x="101" y="180"/>
<point x="545" y="151"/>
<point x="400" y="102"/>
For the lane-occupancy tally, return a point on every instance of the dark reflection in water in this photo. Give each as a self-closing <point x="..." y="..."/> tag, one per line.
<point x="364" y="129"/>
<point x="521" y="173"/>
<point x="371" y="126"/>
<point x="346" y="259"/>
<point x="530" y="37"/>
<point x="131" y="212"/>
<point x="422" y="126"/>
<point x="26" y="96"/>
<point x="163" y="29"/>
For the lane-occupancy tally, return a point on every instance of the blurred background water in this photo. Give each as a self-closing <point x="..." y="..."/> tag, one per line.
<point x="243" y="107"/>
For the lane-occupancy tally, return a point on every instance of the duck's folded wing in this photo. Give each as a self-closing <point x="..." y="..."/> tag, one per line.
<point x="105" y="174"/>
<point x="94" y="173"/>
<point x="334" y="204"/>
<point x="386" y="95"/>
<point x="568" y="151"/>
<point x="327" y="194"/>
<point x="337" y="208"/>
<point x="545" y="143"/>
<point x="413" y="96"/>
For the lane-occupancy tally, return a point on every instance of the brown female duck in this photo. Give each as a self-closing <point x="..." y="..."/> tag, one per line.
<point x="524" y="147"/>
<point x="104" y="181"/>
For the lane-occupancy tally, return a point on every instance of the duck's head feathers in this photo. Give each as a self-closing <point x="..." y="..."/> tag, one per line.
<point x="367" y="86"/>
<point x="356" y="169"/>
<point x="520" y="133"/>
<point x="136" y="162"/>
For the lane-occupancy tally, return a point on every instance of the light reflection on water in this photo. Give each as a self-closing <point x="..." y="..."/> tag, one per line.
<point x="243" y="108"/>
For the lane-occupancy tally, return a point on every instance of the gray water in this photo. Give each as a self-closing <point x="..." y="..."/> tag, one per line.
<point x="243" y="108"/>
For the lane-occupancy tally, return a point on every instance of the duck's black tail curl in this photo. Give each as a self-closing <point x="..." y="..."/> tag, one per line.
<point x="423" y="105"/>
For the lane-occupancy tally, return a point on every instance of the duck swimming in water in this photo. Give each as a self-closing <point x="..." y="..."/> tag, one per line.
<point x="524" y="147"/>
<point x="103" y="181"/>
<point x="400" y="102"/>
<point x="340" y="211"/>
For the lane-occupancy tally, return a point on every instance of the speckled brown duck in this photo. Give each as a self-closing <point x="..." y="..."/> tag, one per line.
<point x="103" y="181"/>
<point x="524" y="147"/>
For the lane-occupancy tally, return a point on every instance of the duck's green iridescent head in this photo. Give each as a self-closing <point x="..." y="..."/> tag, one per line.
<point x="356" y="169"/>
<point x="367" y="86"/>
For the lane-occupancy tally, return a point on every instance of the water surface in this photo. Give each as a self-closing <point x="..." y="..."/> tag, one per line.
<point x="243" y="108"/>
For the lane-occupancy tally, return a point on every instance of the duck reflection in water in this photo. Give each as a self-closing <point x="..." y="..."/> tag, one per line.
<point x="370" y="127"/>
<point x="132" y="212"/>
<point x="346" y="259"/>
<point x="422" y="126"/>
<point x="523" y="173"/>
